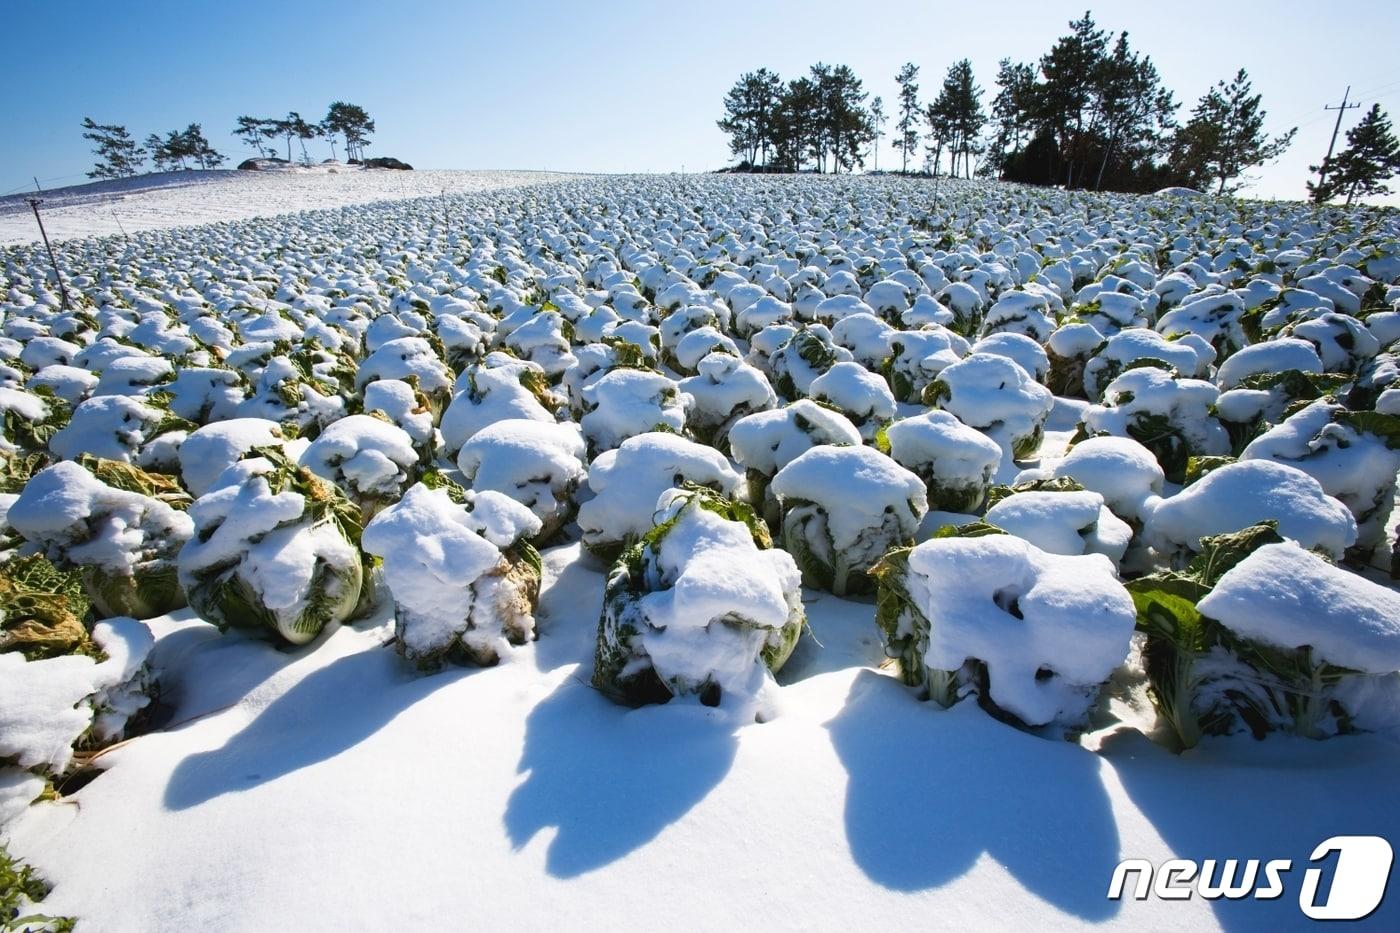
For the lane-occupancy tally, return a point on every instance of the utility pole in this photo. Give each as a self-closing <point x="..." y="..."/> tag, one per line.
<point x="62" y="289"/>
<point x="1342" y="108"/>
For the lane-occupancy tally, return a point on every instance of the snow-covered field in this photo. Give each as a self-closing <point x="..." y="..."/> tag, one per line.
<point x="179" y="199"/>
<point x="723" y="409"/>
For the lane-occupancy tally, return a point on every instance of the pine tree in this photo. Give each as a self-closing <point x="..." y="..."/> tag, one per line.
<point x="739" y="121"/>
<point x="940" y="126"/>
<point x="1225" y="136"/>
<point x="1133" y="112"/>
<point x="797" y="119"/>
<point x="1012" y="110"/>
<point x="845" y="124"/>
<point x="251" y="131"/>
<point x="963" y="111"/>
<point x="352" y="123"/>
<point x="1066" y="97"/>
<point x="305" y="131"/>
<point x="877" y="123"/>
<point x="909" y="114"/>
<point x="1371" y="158"/>
<point x="193" y="145"/>
<point x="161" y="157"/>
<point x="118" y="156"/>
<point x="749" y="115"/>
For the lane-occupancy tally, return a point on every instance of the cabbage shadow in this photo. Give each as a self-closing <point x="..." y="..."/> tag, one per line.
<point x="1238" y="798"/>
<point x="610" y="779"/>
<point x="930" y="790"/>
<point x="330" y="710"/>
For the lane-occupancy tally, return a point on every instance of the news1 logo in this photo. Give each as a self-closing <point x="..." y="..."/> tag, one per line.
<point x="1359" y="876"/>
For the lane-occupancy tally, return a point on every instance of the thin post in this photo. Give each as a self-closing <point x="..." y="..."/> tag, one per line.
<point x="1341" y="109"/>
<point x="62" y="289"/>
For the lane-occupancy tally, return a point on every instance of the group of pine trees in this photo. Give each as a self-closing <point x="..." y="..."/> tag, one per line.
<point x="119" y="155"/>
<point x="818" y="120"/>
<point x="349" y="121"/>
<point x="1091" y="113"/>
<point x="182" y="148"/>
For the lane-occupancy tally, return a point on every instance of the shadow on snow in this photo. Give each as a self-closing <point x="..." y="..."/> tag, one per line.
<point x="1278" y="798"/>
<point x="610" y="779"/>
<point x="365" y="691"/>
<point x="930" y="790"/>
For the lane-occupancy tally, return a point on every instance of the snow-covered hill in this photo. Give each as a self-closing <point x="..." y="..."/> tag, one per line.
<point x="178" y="199"/>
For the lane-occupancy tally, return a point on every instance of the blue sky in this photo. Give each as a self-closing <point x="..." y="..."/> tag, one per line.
<point x="617" y="86"/>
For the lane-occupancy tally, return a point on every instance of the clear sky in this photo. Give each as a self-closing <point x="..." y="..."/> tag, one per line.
<point x="620" y="86"/>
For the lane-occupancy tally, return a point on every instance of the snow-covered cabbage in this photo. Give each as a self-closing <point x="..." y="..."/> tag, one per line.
<point x="917" y="357"/>
<point x="543" y="339"/>
<point x="1025" y="351"/>
<point x="1060" y="517"/>
<point x="724" y="389"/>
<point x="1246" y="493"/>
<point x="409" y="356"/>
<point x="43" y="610"/>
<point x="1141" y="346"/>
<point x="859" y="394"/>
<point x="491" y="391"/>
<point x="370" y="459"/>
<point x="1342" y="342"/>
<point x="843" y="508"/>
<point x="703" y="605"/>
<point x="210" y="450"/>
<point x="203" y="395"/>
<point x="1168" y="415"/>
<point x="538" y="465"/>
<point x="403" y="403"/>
<point x="1276" y="356"/>
<point x="1262" y="400"/>
<point x="52" y="706"/>
<point x="1021" y="312"/>
<point x="629" y="402"/>
<point x="955" y="462"/>
<point x="1215" y="318"/>
<point x="1118" y="468"/>
<point x="1068" y="352"/>
<point x="807" y="354"/>
<point x="1258" y="634"/>
<point x="118" y="427"/>
<point x="464" y="580"/>
<point x="275" y="548"/>
<point x="284" y="392"/>
<point x="121" y="526"/>
<point x="627" y="481"/>
<point x="997" y="397"/>
<point x="30" y="420"/>
<point x="1031" y="634"/>
<point x="1353" y="455"/>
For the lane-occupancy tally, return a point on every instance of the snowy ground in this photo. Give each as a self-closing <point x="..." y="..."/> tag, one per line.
<point x="332" y="788"/>
<point x="178" y="199"/>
